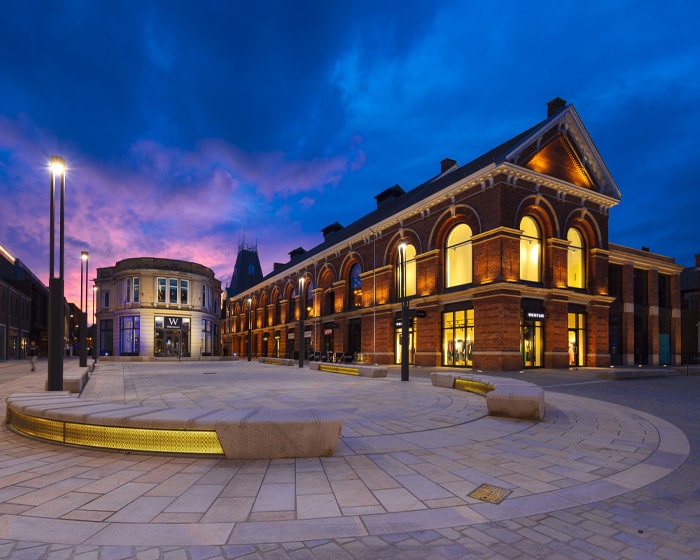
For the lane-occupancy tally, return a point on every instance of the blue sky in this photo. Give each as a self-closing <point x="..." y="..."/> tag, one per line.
<point x="188" y="126"/>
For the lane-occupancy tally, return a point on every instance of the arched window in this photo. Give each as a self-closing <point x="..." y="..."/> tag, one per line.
<point x="407" y="258"/>
<point x="309" y="299"/>
<point x="458" y="256"/>
<point x="355" y="295"/>
<point x="575" y="259"/>
<point x="530" y="250"/>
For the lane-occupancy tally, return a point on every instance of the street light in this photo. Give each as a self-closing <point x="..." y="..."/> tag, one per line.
<point x="404" y="312"/>
<point x="57" y="166"/>
<point x="83" y="312"/>
<point x="301" y="322"/>
<point x="250" y="303"/>
<point x="95" y="333"/>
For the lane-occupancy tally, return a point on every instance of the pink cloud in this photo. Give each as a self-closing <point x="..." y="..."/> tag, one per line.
<point x="162" y="201"/>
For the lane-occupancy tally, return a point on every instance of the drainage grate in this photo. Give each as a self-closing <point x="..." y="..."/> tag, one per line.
<point x="209" y="373"/>
<point x="491" y="494"/>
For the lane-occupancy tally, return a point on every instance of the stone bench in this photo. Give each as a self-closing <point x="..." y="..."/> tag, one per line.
<point x="505" y="397"/>
<point x="278" y="361"/>
<point x="237" y="434"/>
<point x="75" y="381"/>
<point x="350" y="369"/>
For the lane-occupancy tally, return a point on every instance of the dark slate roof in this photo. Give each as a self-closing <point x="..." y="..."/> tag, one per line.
<point x="246" y="272"/>
<point x="389" y="207"/>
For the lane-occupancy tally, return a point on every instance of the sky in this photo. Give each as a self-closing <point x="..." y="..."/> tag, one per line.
<point x="189" y="127"/>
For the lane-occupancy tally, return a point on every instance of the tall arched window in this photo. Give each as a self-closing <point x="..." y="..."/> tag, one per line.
<point x="575" y="259"/>
<point x="309" y="299"/>
<point x="355" y="295"/>
<point x="407" y="258"/>
<point x="530" y="250"/>
<point x="458" y="256"/>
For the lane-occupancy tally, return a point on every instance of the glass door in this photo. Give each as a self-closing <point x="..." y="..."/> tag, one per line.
<point x="531" y="343"/>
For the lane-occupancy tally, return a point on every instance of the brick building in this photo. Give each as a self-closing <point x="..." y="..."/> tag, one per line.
<point x="24" y="302"/>
<point x="505" y="263"/>
<point x="690" y="314"/>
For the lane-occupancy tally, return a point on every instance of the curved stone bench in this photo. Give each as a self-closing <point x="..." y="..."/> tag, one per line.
<point x="505" y="397"/>
<point x="277" y="361"/>
<point x="350" y="369"/>
<point x="238" y="434"/>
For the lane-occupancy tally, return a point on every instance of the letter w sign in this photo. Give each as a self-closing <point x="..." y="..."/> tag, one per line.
<point x="173" y="322"/>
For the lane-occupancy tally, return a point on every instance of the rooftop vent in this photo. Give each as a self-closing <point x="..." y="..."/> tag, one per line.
<point x="392" y="193"/>
<point x="296" y="252"/>
<point x="335" y="226"/>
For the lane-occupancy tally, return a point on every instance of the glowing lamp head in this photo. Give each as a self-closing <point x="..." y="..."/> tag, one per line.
<point x="57" y="165"/>
<point x="83" y="255"/>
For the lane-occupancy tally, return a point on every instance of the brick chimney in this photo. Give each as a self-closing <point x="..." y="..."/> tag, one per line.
<point x="447" y="164"/>
<point x="555" y="105"/>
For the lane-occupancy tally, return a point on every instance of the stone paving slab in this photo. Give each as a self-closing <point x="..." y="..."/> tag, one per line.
<point x="397" y="487"/>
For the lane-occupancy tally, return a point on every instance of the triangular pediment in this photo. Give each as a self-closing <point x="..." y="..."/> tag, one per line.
<point x="562" y="149"/>
<point x="559" y="159"/>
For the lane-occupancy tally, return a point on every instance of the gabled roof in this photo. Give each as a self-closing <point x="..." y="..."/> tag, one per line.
<point x="562" y="148"/>
<point x="558" y="147"/>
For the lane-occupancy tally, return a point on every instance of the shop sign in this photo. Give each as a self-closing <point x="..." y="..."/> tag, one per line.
<point x="536" y="315"/>
<point x="173" y="322"/>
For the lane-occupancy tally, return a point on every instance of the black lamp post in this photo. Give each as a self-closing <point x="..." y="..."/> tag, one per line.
<point x="301" y="322"/>
<point x="56" y="305"/>
<point x="95" y="333"/>
<point x="404" y="312"/>
<point x="250" y="302"/>
<point x="83" y="311"/>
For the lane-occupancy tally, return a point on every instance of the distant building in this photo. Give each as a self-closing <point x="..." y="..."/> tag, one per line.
<point x="505" y="263"/>
<point x="24" y="304"/>
<point x="690" y="314"/>
<point x="153" y="308"/>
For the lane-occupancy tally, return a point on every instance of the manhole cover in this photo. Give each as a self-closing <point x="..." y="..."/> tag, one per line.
<point x="489" y="493"/>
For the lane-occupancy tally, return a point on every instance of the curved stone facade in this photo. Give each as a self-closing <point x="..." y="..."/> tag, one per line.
<point x="151" y="308"/>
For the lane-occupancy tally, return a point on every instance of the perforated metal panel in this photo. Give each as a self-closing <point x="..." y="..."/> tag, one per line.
<point x="117" y="437"/>
<point x="473" y="386"/>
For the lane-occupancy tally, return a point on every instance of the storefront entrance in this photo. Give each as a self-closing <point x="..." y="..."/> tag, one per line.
<point x="531" y="339"/>
<point x="577" y="339"/>
<point x="171" y="338"/>
<point x="411" y="341"/>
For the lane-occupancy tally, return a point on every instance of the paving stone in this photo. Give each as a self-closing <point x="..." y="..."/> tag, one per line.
<point x="557" y="470"/>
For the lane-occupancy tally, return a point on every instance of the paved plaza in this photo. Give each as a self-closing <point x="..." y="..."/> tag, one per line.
<point x="420" y="472"/>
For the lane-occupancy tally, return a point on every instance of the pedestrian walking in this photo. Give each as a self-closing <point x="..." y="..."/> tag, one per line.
<point x="33" y="354"/>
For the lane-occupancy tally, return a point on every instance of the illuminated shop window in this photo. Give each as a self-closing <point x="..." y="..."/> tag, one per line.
<point x="575" y="260"/>
<point x="530" y="250"/>
<point x="129" y="335"/>
<point x="458" y="256"/>
<point x="458" y="338"/>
